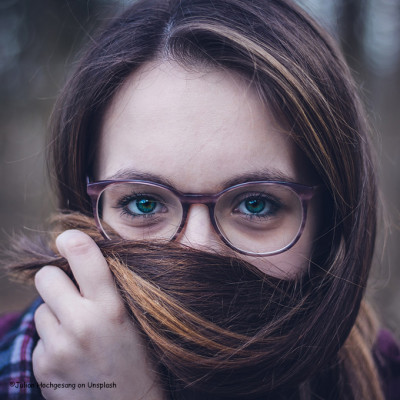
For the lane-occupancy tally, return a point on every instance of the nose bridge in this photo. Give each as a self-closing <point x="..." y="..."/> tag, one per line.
<point x="198" y="230"/>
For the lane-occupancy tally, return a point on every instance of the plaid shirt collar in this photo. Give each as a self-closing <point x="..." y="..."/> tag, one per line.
<point x="16" y="346"/>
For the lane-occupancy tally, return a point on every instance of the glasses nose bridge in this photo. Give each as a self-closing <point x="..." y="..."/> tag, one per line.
<point x="190" y="199"/>
<point x="206" y="199"/>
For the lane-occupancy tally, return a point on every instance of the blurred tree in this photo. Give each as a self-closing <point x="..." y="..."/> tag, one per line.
<point x="38" y="43"/>
<point x="38" y="39"/>
<point x="351" y="19"/>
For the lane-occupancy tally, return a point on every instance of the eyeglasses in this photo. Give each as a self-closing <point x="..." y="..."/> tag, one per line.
<point x="259" y="218"/>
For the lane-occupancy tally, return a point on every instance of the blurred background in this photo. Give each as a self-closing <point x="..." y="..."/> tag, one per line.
<point x="39" y="42"/>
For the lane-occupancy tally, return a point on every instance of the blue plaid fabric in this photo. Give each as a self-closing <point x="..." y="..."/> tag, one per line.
<point x="16" y="346"/>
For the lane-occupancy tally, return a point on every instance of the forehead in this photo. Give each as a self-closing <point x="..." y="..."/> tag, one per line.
<point x="195" y="129"/>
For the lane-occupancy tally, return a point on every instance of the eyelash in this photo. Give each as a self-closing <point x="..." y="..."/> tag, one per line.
<point x="124" y="201"/>
<point x="276" y="205"/>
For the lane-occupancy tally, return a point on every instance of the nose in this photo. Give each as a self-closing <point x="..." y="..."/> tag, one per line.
<point x="198" y="231"/>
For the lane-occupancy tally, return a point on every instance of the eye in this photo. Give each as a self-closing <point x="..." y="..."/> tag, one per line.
<point x="257" y="205"/>
<point x="141" y="205"/>
<point x="144" y="205"/>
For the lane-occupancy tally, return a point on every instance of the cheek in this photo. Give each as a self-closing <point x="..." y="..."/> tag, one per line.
<point x="288" y="265"/>
<point x="295" y="261"/>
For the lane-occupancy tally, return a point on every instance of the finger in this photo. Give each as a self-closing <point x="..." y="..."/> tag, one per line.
<point x="37" y="354"/>
<point x="40" y="362"/>
<point x="46" y="322"/>
<point x="88" y="265"/>
<point x="58" y="291"/>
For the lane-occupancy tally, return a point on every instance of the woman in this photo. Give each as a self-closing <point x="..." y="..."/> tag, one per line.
<point x="225" y="144"/>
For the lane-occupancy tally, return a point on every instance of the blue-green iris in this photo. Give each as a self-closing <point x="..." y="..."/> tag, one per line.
<point x="255" y="206"/>
<point x="146" y="205"/>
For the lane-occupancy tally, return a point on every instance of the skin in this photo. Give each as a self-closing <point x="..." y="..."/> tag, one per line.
<point x="196" y="129"/>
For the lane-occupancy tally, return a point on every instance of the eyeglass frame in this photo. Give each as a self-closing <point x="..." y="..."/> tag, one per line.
<point x="304" y="192"/>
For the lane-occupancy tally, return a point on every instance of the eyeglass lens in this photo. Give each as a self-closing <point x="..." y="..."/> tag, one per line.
<point x="260" y="218"/>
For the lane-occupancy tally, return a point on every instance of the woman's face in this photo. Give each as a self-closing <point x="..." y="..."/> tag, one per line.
<point x="196" y="131"/>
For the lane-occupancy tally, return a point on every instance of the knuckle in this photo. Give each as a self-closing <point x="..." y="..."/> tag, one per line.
<point x="60" y="351"/>
<point x="40" y="362"/>
<point x="82" y="331"/>
<point x="74" y="241"/>
<point x="117" y="314"/>
<point x="43" y="276"/>
<point x="40" y="311"/>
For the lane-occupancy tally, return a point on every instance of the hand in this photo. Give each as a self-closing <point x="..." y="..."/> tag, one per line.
<point x="86" y="335"/>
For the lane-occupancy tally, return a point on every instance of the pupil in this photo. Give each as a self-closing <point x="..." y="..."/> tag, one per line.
<point x="146" y="205"/>
<point x="255" y="205"/>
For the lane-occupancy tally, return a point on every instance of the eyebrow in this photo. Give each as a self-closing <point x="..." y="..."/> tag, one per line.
<point x="266" y="174"/>
<point x="139" y="175"/>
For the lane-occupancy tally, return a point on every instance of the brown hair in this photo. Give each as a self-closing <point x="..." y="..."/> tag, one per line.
<point x="299" y="73"/>
<point x="217" y="327"/>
